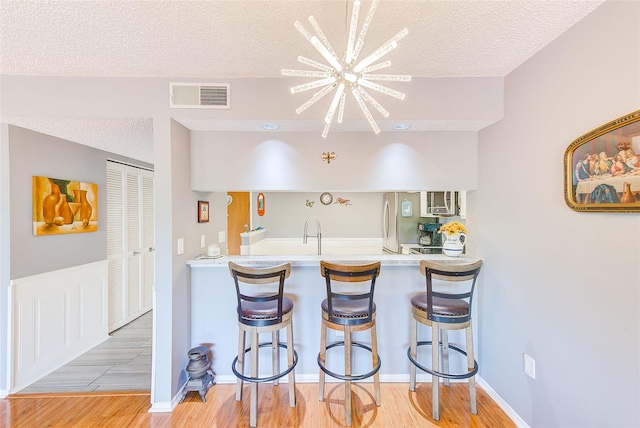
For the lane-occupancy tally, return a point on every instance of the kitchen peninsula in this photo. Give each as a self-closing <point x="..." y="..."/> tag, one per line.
<point x="214" y="318"/>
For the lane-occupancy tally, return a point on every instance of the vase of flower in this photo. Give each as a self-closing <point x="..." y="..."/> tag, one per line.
<point x="453" y="244"/>
<point x="455" y="235"/>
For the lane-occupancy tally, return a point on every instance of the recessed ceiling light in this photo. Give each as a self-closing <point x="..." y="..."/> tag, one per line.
<point x="401" y="126"/>
<point x="270" y="126"/>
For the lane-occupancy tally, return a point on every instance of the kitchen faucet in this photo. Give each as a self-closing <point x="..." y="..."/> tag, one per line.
<point x="318" y="233"/>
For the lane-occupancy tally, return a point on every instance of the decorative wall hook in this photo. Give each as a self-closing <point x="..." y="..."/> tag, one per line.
<point x="328" y="156"/>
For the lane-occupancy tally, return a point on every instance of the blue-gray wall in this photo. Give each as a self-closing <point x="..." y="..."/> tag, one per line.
<point x="33" y="153"/>
<point x="560" y="285"/>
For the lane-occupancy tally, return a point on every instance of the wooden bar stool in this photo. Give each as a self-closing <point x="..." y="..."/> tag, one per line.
<point x="266" y="311"/>
<point x="443" y="312"/>
<point x="349" y="312"/>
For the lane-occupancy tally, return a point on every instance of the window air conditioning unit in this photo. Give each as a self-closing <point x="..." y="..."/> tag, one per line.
<point x="199" y="95"/>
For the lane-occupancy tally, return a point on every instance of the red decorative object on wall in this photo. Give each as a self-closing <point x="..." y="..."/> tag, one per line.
<point x="261" y="204"/>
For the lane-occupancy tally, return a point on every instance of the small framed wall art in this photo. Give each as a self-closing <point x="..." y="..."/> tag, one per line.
<point x="261" y="203"/>
<point x="203" y="211"/>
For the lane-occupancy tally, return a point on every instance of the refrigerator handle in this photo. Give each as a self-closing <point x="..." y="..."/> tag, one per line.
<point x="385" y="220"/>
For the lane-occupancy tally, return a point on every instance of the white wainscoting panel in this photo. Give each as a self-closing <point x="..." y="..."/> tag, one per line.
<point x="56" y="317"/>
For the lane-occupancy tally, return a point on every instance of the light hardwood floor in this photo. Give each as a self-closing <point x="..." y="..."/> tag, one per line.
<point x="90" y="392"/>
<point x="121" y="363"/>
<point x="400" y="408"/>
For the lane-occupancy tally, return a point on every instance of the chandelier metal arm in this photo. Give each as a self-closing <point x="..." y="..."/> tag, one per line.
<point x="351" y="40"/>
<point x="334" y="104"/>
<point x="304" y="73"/>
<point x="365" y="110"/>
<point x="321" y="36"/>
<point x="388" y="77"/>
<point x="382" y="89"/>
<point x="316" y="64"/>
<point x="316" y="97"/>
<point x="307" y="35"/>
<point x="367" y="97"/>
<point x="384" y="49"/>
<point x="331" y="59"/>
<point x="341" y="107"/>
<point x="365" y="27"/>
<point x="377" y="66"/>
<point x="311" y="85"/>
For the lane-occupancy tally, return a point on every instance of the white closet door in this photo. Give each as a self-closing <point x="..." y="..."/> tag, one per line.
<point x="130" y="242"/>
<point x="134" y="244"/>
<point x="116" y="256"/>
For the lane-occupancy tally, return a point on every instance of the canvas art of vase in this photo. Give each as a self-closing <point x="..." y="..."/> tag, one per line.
<point x="61" y="206"/>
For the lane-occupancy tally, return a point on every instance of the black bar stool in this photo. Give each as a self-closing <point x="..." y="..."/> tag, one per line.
<point x="349" y="312"/>
<point x="263" y="312"/>
<point x="444" y="312"/>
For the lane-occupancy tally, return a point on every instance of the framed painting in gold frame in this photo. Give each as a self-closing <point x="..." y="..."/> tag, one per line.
<point x="602" y="168"/>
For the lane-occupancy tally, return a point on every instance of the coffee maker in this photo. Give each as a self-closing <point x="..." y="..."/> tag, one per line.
<point x="429" y="236"/>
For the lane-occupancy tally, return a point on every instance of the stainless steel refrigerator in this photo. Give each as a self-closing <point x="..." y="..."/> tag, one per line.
<point x="400" y="218"/>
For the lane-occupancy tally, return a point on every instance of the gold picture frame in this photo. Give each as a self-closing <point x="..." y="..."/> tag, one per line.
<point x="602" y="168"/>
<point x="203" y="211"/>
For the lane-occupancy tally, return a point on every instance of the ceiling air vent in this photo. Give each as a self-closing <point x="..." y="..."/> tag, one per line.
<point x="199" y="95"/>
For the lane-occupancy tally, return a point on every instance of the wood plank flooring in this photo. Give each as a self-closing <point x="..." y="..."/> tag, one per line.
<point x="400" y="408"/>
<point x="121" y="363"/>
<point x="90" y="392"/>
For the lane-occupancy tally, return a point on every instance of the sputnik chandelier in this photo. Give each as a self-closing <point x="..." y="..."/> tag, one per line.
<point x="347" y="74"/>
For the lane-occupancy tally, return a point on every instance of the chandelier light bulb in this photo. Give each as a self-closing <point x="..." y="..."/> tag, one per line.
<point x="347" y="75"/>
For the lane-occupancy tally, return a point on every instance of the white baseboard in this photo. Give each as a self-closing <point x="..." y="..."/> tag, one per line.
<point x="3" y="393"/>
<point x="502" y="404"/>
<point x="165" y="406"/>
<point x="162" y="407"/>
<point x="384" y="378"/>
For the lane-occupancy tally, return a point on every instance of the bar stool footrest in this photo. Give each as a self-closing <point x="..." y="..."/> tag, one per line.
<point x="270" y="378"/>
<point x="440" y="374"/>
<point x="349" y="377"/>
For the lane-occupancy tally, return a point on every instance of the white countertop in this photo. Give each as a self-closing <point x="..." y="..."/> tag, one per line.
<point x="314" y="260"/>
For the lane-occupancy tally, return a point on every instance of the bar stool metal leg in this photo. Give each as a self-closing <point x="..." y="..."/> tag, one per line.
<point x="435" y="380"/>
<point x="323" y="360"/>
<point x="292" y="377"/>
<point x="470" y="367"/>
<point x="275" y="353"/>
<point x="445" y="354"/>
<point x="253" y="418"/>
<point x="241" y="344"/>
<point x="414" y="354"/>
<point x="374" y="359"/>
<point x="347" y="372"/>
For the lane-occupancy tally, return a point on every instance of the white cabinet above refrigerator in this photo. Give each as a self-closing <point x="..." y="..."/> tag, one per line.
<point x="441" y="204"/>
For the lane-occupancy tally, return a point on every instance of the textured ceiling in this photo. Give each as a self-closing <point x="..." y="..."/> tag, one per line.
<point x="256" y="38"/>
<point x="230" y="39"/>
